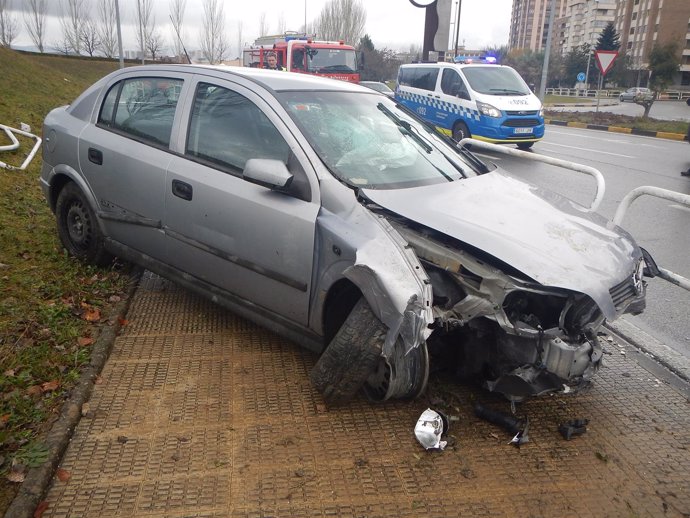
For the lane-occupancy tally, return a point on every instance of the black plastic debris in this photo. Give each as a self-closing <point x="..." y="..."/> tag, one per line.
<point x="516" y="426"/>
<point x="573" y="428"/>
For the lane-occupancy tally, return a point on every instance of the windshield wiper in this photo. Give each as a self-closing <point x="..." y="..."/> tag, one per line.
<point x="406" y="128"/>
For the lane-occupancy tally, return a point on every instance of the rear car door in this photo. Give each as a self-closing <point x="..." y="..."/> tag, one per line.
<point x="125" y="155"/>
<point x="248" y="240"/>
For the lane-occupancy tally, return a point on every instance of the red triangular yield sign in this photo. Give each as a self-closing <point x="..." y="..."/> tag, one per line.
<point x="605" y="59"/>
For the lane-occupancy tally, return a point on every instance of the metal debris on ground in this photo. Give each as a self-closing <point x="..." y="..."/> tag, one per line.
<point x="430" y="427"/>
<point x="514" y="425"/>
<point x="573" y="428"/>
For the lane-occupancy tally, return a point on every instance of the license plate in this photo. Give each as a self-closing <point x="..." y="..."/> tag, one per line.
<point x="523" y="130"/>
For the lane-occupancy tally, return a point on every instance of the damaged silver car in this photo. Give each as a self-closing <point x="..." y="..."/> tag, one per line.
<point x="335" y="217"/>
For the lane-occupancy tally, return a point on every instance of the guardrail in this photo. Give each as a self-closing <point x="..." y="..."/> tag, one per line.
<point x="669" y="95"/>
<point x="658" y="192"/>
<point x="573" y="166"/>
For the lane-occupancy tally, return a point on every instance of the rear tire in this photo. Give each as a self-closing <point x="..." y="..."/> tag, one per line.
<point x="352" y="355"/>
<point x="525" y="145"/>
<point x="78" y="228"/>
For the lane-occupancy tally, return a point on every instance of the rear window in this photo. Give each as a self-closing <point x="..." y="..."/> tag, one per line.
<point x="418" y="77"/>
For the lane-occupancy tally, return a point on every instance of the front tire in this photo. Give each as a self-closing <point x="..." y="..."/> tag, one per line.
<point x="78" y="228"/>
<point x="524" y="146"/>
<point x="401" y="376"/>
<point x="460" y="131"/>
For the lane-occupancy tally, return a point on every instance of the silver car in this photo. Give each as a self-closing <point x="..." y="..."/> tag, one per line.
<point x="337" y="218"/>
<point x="631" y="93"/>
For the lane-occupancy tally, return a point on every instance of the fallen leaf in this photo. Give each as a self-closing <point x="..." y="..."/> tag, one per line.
<point x="92" y="315"/>
<point x="115" y="298"/>
<point x="84" y="341"/>
<point x="320" y="408"/>
<point x="40" y="509"/>
<point x="63" y="475"/>
<point x="34" y="390"/>
<point x="122" y="321"/>
<point x="9" y="373"/>
<point x="85" y="409"/>
<point x="50" y="386"/>
<point x="3" y="422"/>
<point x="98" y="380"/>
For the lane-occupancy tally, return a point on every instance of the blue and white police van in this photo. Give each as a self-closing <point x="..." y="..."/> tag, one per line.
<point x="484" y="101"/>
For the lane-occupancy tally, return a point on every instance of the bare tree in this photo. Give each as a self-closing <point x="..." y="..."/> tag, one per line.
<point x="214" y="45"/>
<point x="281" y="24"/>
<point x="154" y="44"/>
<point x="263" y="26"/>
<point x="9" y="26"/>
<point x="107" y="27"/>
<point x="62" y="46"/>
<point x="35" y="22"/>
<point x="177" y="9"/>
<point x="74" y="13"/>
<point x="341" y="20"/>
<point x="240" y="41"/>
<point x="89" y="37"/>
<point x="146" y="23"/>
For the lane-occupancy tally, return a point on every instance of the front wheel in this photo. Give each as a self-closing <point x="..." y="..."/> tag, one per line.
<point x="78" y="228"/>
<point x="460" y="131"/>
<point x="403" y="375"/>
<point x="525" y="145"/>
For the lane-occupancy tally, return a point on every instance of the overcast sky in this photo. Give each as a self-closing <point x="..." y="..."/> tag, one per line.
<point x="395" y="24"/>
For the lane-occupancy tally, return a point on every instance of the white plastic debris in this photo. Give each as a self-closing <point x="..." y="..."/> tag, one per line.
<point x="24" y="127"/>
<point x="429" y="429"/>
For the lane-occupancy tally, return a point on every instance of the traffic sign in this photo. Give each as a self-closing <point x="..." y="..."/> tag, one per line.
<point x="605" y="59"/>
<point x="581" y="77"/>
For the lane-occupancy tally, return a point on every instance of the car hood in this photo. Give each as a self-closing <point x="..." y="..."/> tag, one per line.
<point x="542" y="234"/>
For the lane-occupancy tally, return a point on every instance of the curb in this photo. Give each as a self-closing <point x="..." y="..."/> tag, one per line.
<point x="617" y="129"/>
<point x="58" y="437"/>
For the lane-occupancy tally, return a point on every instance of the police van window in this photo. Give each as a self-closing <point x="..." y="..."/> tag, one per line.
<point x="425" y="78"/>
<point x="452" y="84"/>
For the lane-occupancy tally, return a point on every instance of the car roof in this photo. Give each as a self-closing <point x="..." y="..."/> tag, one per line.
<point x="273" y="79"/>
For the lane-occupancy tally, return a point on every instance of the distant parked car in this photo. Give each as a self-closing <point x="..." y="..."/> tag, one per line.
<point x="631" y="93"/>
<point x="379" y="87"/>
<point x="330" y="214"/>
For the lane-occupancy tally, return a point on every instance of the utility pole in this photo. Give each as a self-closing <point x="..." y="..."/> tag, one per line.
<point x="547" y="52"/>
<point x="457" y="28"/>
<point x="119" y="33"/>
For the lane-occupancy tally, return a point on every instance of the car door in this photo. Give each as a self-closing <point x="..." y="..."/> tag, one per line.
<point x="249" y="240"/>
<point x="455" y="101"/>
<point x="125" y="155"/>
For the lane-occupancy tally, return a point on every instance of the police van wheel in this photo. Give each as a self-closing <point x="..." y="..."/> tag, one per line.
<point x="525" y="145"/>
<point x="460" y="131"/>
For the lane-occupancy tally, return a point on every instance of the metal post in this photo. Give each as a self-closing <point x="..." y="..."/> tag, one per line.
<point x="119" y="33"/>
<point x="457" y="28"/>
<point x="547" y="52"/>
<point x="141" y="33"/>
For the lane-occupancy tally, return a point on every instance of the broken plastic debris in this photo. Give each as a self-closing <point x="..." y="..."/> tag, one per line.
<point x="24" y="127"/>
<point x="522" y="436"/>
<point x="430" y="426"/>
<point x="512" y="424"/>
<point x="573" y="428"/>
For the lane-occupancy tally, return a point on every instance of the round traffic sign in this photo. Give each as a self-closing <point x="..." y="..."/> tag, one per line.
<point x="581" y="76"/>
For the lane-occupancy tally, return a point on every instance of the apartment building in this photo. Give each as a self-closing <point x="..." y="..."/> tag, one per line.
<point x="583" y="22"/>
<point x="529" y="23"/>
<point x="642" y="23"/>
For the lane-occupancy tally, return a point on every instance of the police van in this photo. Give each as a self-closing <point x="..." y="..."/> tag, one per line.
<point x="484" y="101"/>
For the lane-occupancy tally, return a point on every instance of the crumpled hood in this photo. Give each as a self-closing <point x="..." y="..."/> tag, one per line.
<point x="538" y="232"/>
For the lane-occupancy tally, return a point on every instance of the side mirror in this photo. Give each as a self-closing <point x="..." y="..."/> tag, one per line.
<point x="269" y="173"/>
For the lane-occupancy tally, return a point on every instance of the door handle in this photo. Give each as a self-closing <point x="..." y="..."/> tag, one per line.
<point x="95" y="156"/>
<point x="182" y="190"/>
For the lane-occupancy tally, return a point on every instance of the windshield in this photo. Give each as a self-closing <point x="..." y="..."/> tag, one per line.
<point x="495" y="80"/>
<point x="369" y="141"/>
<point x="330" y="60"/>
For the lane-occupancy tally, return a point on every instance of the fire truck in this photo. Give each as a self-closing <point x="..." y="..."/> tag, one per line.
<point x="303" y="54"/>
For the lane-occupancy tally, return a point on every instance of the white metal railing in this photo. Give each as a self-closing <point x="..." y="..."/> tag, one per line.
<point x="669" y="95"/>
<point x="658" y="192"/>
<point x="15" y="145"/>
<point x="573" y="166"/>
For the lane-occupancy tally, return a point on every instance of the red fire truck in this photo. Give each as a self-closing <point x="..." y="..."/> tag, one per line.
<point x="300" y="53"/>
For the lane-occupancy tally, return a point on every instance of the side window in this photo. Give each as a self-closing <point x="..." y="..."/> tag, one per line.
<point x="452" y="84"/>
<point x="425" y="78"/>
<point x="143" y="108"/>
<point x="227" y="129"/>
<point x="298" y="59"/>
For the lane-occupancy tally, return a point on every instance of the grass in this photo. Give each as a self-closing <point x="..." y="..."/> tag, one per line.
<point x="622" y="121"/>
<point x="45" y="296"/>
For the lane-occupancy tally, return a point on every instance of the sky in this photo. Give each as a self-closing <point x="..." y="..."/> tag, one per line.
<point x="394" y="24"/>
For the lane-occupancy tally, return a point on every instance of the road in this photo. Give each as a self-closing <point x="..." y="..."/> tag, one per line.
<point x="628" y="161"/>
<point x="665" y="110"/>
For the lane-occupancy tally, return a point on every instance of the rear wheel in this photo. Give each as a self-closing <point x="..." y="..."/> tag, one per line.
<point x="78" y="228"/>
<point x="525" y="145"/>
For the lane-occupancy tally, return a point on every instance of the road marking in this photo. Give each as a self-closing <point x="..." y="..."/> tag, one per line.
<point x="484" y="155"/>
<point x="615" y="141"/>
<point x="587" y="149"/>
